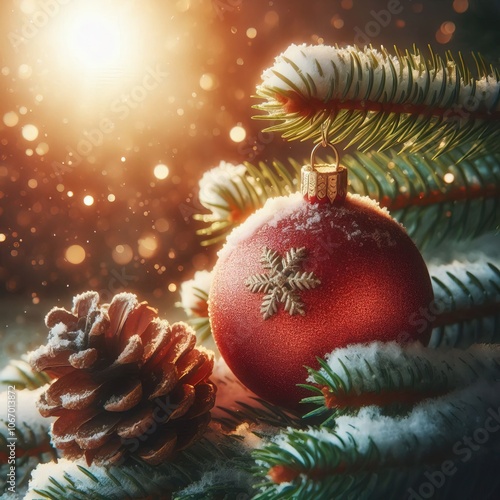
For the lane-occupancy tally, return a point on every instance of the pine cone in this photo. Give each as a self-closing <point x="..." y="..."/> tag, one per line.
<point x="125" y="383"/>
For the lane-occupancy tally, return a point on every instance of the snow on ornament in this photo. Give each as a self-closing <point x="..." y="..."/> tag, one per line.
<point x="309" y="273"/>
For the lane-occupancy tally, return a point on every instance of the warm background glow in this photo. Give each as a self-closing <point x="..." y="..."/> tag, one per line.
<point x="111" y="110"/>
<point x="94" y="40"/>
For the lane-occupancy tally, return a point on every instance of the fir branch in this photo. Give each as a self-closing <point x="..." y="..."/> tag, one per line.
<point x="199" y="317"/>
<point x="259" y="412"/>
<point x="372" y="98"/>
<point x="194" y="301"/>
<point x="384" y="373"/>
<point x="203" y="330"/>
<point x="220" y="484"/>
<point x="255" y="183"/>
<point x="300" y="461"/>
<point x="399" y="181"/>
<point x="19" y="373"/>
<point x="476" y="478"/>
<point x="237" y="405"/>
<point x="437" y="201"/>
<point x="466" y="308"/>
<point x="76" y="480"/>
<point x="416" y="190"/>
<point x="68" y="479"/>
<point x="30" y="432"/>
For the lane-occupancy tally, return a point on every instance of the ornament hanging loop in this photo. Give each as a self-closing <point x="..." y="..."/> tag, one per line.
<point x="324" y="182"/>
<point x="325" y="145"/>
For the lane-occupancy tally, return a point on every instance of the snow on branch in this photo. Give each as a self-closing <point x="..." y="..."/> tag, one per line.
<point x="370" y="97"/>
<point x="381" y="372"/>
<point x="434" y="428"/>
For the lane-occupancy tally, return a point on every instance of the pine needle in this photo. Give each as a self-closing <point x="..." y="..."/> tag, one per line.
<point x="372" y="98"/>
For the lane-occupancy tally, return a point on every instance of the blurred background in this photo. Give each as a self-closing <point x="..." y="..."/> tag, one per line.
<point x="111" y="110"/>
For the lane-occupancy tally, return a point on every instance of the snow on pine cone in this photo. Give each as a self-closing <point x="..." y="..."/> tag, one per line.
<point x="126" y="382"/>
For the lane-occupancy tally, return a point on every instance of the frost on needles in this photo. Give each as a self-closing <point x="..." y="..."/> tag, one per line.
<point x="373" y="98"/>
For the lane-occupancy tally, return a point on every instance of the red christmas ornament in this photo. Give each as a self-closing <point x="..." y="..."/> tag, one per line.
<point x="307" y="274"/>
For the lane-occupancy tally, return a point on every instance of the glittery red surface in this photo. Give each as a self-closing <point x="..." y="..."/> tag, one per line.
<point x="374" y="286"/>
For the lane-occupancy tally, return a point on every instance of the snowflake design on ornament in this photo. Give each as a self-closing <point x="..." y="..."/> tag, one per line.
<point x="283" y="281"/>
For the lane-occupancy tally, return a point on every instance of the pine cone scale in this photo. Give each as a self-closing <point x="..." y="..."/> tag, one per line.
<point x="162" y="450"/>
<point x="53" y="360"/>
<point x="186" y="399"/>
<point x="83" y="359"/>
<point x="201" y="372"/>
<point x="110" y="453"/>
<point x="136" y="423"/>
<point x="97" y="431"/>
<point x="204" y="400"/>
<point x="132" y="352"/>
<point x="168" y="380"/>
<point x="65" y="427"/>
<point x="137" y="322"/>
<point x="175" y="346"/>
<point x="97" y="330"/>
<point x="45" y="409"/>
<point x="128" y="398"/>
<point x="119" y="309"/>
<point x="154" y="335"/>
<point x="59" y="315"/>
<point x="189" y="365"/>
<point x="84" y="391"/>
<point x="85" y="303"/>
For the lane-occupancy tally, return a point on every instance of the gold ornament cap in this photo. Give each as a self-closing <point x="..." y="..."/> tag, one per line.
<point x="324" y="182"/>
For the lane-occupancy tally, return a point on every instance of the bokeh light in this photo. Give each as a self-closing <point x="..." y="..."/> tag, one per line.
<point x="460" y="6"/>
<point x="445" y="32"/>
<point x="161" y="171"/>
<point x="29" y="132"/>
<point x="147" y="246"/>
<point x="237" y="133"/>
<point x="448" y="178"/>
<point x="25" y="71"/>
<point x="251" y="32"/>
<point x="42" y="148"/>
<point x="208" y="81"/>
<point x="122" y="254"/>
<point x="10" y="119"/>
<point x="75" y="254"/>
<point x="88" y="200"/>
